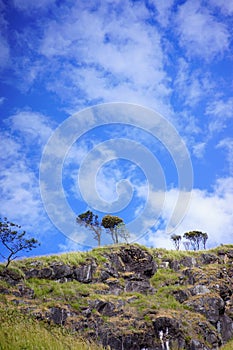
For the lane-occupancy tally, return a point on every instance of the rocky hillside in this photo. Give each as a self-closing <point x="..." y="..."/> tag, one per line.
<point x="128" y="296"/>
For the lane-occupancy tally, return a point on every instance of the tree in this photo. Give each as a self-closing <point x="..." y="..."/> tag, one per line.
<point x="196" y="238"/>
<point x="13" y="239"/>
<point x="204" y="239"/>
<point x="123" y="232"/>
<point x="91" y="221"/>
<point x="176" y="240"/>
<point x="186" y="245"/>
<point x="111" y="223"/>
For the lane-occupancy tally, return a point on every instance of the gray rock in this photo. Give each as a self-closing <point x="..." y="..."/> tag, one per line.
<point x="181" y="295"/>
<point x="207" y="258"/>
<point x="11" y="276"/>
<point x="57" y="315"/>
<point x="199" y="289"/>
<point x="25" y="291"/>
<point x="209" y="306"/>
<point x="175" y="265"/>
<point x="138" y="260"/>
<point x="60" y="271"/>
<point x="188" y="261"/>
<point x="32" y="273"/>
<point x="225" y="327"/>
<point x="197" y="345"/>
<point x="138" y="286"/>
<point x="105" y="308"/>
<point x="84" y="273"/>
<point x="46" y="272"/>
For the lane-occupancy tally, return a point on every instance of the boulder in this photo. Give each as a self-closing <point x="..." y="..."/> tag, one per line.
<point x="32" y="273"/>
<point x="84" y="273"/>
<point x="209" y="306"/>
<point x="181" y="295"/>
<point x="199" y="289"/>
<point x="137" y="260"/>
<point x="59" y="271"/>
<point x="225" y="327"/>
<point x="57" y="315"/>
<point x="207" y="258"/>
<point x="138" y="286"/>
<point x="11" y="276"/>
<point x="105" y="308"/>
<point x="188" y="261"/>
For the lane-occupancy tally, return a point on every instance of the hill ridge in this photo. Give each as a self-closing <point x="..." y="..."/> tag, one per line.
<point x="129" y="296"/>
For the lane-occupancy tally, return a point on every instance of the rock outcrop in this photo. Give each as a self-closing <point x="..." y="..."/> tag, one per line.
<point x="128" y="297"/>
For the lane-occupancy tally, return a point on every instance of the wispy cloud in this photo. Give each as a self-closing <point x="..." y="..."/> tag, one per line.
<point x="20" y="195"/>
<point x="200" y="32"/>
<point x="28" y="6"/>
<point x="227" y="144"/>
<point x="226" y="7"/>
<point x="219" y="111"/>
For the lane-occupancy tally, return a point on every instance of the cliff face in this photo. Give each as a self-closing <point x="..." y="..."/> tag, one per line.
<point x="129" y="297"/>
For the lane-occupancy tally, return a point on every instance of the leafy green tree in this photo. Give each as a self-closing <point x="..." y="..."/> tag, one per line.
<point x="91" y="221"/>
<point x="196" y="238"/>
<point x="176" y="240"/>
<point x="111" y="224"/>
<point x="13" y="239"/>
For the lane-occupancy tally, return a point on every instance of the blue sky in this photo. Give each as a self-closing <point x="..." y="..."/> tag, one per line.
<point x="122" y="99"/>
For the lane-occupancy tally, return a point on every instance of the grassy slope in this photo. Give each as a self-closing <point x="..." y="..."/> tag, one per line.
<point x="18" y="331"/>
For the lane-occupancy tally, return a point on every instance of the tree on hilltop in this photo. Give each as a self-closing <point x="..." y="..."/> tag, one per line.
<point x="176" y="240"/>
<point x="91" y="221"/>
<point x="13" y="239"/>
<point x="112" y="224"/>
<point x="196" y="238"/>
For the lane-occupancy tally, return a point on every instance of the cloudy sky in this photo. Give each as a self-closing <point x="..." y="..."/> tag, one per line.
<point x="121" y="107"/>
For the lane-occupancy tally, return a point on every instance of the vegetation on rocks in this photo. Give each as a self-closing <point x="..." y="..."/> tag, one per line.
<point x="119" y="297"/>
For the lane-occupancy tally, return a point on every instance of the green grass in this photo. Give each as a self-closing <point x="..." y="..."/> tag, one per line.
<point x="18" y="331"/>
<point x="72" y="258"/>
<point x="164" y="277"/>
<point x="228" y="346"/>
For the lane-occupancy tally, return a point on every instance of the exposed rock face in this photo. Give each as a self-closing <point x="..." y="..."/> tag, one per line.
<point x="109" y="296"/>
<point x="210" y="306"/>
<point x="57" y="315"/>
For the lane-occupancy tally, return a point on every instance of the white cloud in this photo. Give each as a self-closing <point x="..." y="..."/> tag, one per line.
<point x="192" y="85"/>
<point x="164" y="10"/>
<point x="219" y="111"/>
<point x="200" y="32"/>
<point x="199" y="149"/>
<point x="21" y="148"/>
<point x="2" y="100"/>
<point x="118" y="57"/>
<point x="28" y="5"/>
<point x="32" y="126"/>
<point x="227" y="143"/>
<point x="226" y="7"/>
<point x="208" y="212"/>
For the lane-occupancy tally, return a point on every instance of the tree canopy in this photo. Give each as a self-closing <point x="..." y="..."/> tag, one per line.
<point x="111" y="223"/>
<point x="13" y="239"/>
<point x="196" y="238"/>
<point x="91" y="221"/>
<point x="176" y="240"/>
